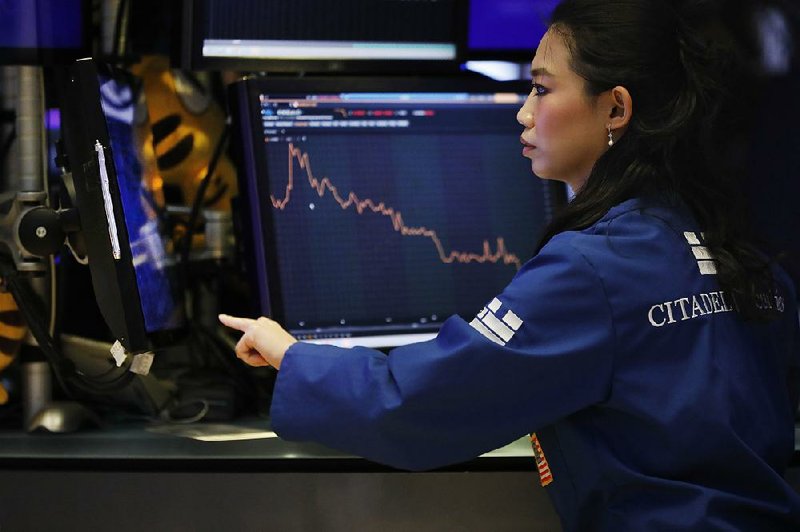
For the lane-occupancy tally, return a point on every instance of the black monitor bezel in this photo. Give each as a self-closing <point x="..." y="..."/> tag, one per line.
<point x="520" y="56"/>
<point x="261" y="273"/>
<point x="114" y="282"/>
<point x="190" y="53"/>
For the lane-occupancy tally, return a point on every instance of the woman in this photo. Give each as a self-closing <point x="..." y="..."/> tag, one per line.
<point x="646" y="344"/>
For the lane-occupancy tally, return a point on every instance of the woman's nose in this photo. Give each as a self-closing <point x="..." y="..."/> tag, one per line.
<point x="525" y="117"/>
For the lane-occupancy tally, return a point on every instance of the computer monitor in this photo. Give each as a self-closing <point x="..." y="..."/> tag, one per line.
<point x="104" y="126"/>
<point x="376" y="208"/>
<point x="43" y="32"/>
<point x="323" y="36"/>
<point x="506" y="29"/>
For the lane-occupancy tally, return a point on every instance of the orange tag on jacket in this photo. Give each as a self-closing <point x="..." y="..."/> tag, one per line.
<point x="545" y="476"/>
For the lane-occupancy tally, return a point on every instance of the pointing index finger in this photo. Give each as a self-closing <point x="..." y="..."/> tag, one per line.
<point x="234" y="322"/>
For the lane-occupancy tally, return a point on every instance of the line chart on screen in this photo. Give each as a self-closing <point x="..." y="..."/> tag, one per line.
<point x="325" y="187"/>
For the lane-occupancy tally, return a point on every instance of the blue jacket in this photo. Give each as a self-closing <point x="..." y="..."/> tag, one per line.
<point x="656" y="407"/>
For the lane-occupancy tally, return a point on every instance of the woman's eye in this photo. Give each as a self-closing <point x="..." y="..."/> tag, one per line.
<point x="538" y="89"/>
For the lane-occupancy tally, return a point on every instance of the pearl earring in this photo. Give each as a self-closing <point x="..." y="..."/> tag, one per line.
<point x="610" y="137"/>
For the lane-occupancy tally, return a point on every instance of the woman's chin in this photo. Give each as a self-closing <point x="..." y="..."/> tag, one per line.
<point x="541" y="171"/>
<point x="536" y="169"/>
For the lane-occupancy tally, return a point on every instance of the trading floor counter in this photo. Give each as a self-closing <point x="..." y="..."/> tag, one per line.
<point x="144" y="477"/>
<point x="206" y="446"/>
<point x="128" y="477"/>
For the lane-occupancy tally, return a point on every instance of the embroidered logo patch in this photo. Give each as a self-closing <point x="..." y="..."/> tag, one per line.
<point x="705" y="261"/>
<point x="498" y="330"/>
<point x="545" y="475"/>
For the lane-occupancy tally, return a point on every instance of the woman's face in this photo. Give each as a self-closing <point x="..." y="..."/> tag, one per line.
<point x="565" y="128"/>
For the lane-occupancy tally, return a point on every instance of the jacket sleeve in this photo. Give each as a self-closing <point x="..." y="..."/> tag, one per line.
<point x="539" y="351"/>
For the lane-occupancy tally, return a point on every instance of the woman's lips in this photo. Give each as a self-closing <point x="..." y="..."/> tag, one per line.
<point x="527" y="148"/>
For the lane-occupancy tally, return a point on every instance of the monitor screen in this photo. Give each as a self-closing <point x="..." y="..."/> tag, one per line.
<point x="322" y="36"/>
<point x="105" y="129"/>
<point x="378" y="208"/>
<point x="43" y="32"/>
<point x="506" y="29"/>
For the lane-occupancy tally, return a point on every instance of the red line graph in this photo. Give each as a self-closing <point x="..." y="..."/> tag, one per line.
<point x="321" y="186"/>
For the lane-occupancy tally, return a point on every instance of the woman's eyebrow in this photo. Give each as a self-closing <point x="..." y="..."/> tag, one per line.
<point x="541" y="71"/>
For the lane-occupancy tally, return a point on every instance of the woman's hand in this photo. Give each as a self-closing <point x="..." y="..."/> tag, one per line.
<point x="263" y="343"/>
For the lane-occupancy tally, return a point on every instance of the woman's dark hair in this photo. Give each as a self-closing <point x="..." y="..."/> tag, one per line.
<point x="689" y="81"/>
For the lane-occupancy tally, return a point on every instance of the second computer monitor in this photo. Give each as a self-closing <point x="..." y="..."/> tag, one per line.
<point x="323" y="36"/>
<point x="377" y="208"/>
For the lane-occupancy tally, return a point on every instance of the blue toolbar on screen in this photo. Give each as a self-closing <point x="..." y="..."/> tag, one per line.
<point x="41" y="24"/>
<point x="508" y="25"/>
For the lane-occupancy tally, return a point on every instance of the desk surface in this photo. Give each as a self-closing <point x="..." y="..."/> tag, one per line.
<point x="132" y="447"/>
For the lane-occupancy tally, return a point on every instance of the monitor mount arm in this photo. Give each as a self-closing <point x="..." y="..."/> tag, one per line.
<point x="30" y="230"/>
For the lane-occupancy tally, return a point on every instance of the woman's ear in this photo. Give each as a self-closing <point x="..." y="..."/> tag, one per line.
<point x="621" y="108"/>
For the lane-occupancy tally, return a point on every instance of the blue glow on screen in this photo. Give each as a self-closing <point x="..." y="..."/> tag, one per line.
<point x="508" y="25"/>
<point x="41" y="24"/>
<point x="126" y="130"/>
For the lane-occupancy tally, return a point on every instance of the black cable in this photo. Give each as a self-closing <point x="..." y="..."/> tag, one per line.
<point x="29" y="304"/>
<point x="220" y="349"/>
<point x="8" y="116"/>
<point x="116" y="45"/>
<point x="186" y="246"/>
<point x="105" y="386"/>
<point x="64" y="369"/>
<point x="5" y="147"/>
